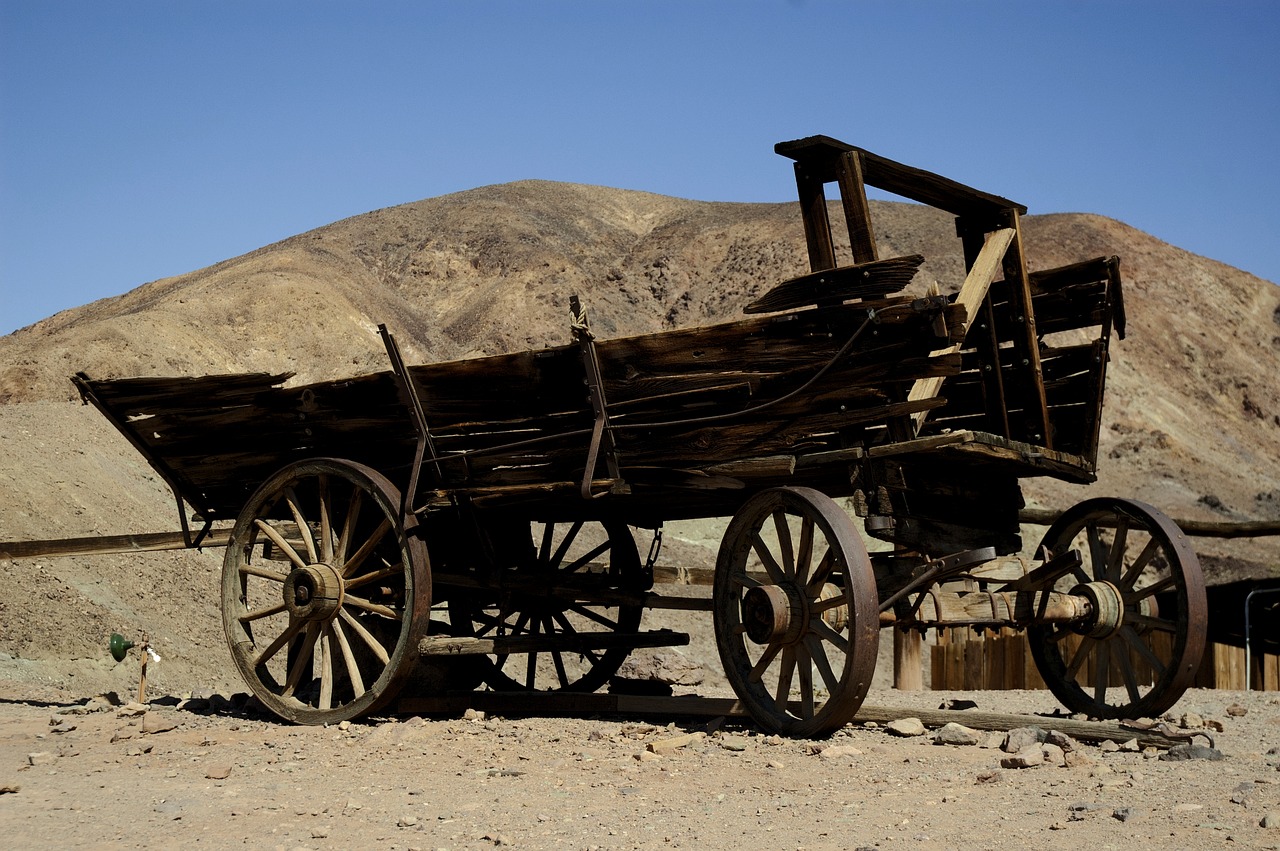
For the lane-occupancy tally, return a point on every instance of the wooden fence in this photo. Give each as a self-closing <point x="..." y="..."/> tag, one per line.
<point x="964" y="659"/>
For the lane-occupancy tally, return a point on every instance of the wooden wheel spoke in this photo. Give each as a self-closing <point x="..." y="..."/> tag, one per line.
<point x="822" y="574"/>
<point x="302" y="663"/>
<point x="771" y="565"/>
<point x="544" y="548"/>
<point x="304" y="527"/>
<point x="557" y="658"/>
<point x="263" y="572"/>
<point x="819" y="656"/>
<point x="278" y="539"/>
<point x="785" y="674"/>
<point x="804" y="556"/>
<point x="374" y="576"/>
<point x="569" y="538"/>
<point x="370" y="606"/>
<point x="805" y="665"/>
<point x="756" y="673"/>
<point x="1150" y="590"/>
<point x="783" y="529"/>
<point x="1098" y="552"/>
<point x="1135" y="619"/>
<point x="1101" y="671"/>
<point x="823" y="630"/>
<point x="586" y="559"/>
<point x="258" y="614"/>
<point x="742" y="579"/>
<point x="326" y="670"/>
<point x="1081" y="654"/>
<point x="1130" y="577"/>
<point x="349" y="658"/>
<point x="294" y="627"/>
<point x="1129" y="675"/>
<point x="1144" y="650"/>
<point x="366" y="549"/>
<point x="592" y="614"/>
<point x="367" y="637"/>
<point x="817" y="607"/>
<point x="1115" y="559"/>
<point x="349" y="524"/>
<point x="326" y="521"/>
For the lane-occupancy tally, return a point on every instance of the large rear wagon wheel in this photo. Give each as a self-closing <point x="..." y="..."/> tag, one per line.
<point x="796" y="612"/>
<point x="1141" y="648"/>
<point x="325" y="594"/>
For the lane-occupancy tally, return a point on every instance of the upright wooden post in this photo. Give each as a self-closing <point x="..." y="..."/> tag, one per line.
<point x="908" y="673"/>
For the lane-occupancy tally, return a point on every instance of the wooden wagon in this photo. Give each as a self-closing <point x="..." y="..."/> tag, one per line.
<point x="434" y="528"/>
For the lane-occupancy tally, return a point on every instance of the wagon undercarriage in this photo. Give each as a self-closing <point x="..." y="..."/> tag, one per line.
<point x="435" y="528"/>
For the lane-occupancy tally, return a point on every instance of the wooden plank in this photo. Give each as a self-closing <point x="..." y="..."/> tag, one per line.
<point x="841" y="283"/>
<point x="107" y="545"/>
<point x="971" y="295"/>
<point x="577" y="642"/>
<point x="908" y="675"/>
<point x="1194" y="528"/>
<point x="857" y="213"/>
<point x="1026" y="343"/>
<point x="817" y="222"/>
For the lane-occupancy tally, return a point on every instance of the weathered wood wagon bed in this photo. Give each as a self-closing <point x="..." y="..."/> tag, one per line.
<point x="433" y="527"/>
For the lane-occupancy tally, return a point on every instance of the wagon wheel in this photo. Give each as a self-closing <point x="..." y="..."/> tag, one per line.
<point x="582" y="556"/>
<point x="1140" y="649"/>
<point x="324" y="598"/>
<point x="794" y="594"/>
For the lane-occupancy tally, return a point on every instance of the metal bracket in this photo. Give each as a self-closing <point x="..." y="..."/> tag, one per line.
<point x="425" y="443"/>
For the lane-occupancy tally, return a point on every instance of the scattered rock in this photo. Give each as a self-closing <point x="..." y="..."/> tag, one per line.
<point x="1191" y="721"/>
<point x="64" y="727"/>
<point x="1270" y="820"/>
<point x="1028" y="757"/>
<point x="1022" y="738"/>
<point x="991" y="776"/>
<point x="319" y="833"/>
<point x="40" y="758"/>
<point x="958" y="704"/>
<point x="993" y="740"/>
<point x="1062" y="740"/>
<point x="1122" y="813"/>
<point x="733" y="743"/>
<point x="1235" y="710"/>
<point x="218" y="772"/>
<point x="1053" y="755"/>
<point x="1108" y="746"/>
<point x="154" y="722"/>
<point x="132" y="710"/>
<point x="647" y="756"/>
<point x="667" y="667"/>
<point x="956" y="734"/>
<point x="9" y="788"/>
<point x="121" y="735"/>
<point x="1076" y="759"/>
<point x="906" y="727"/>
<point x="408" y="821"/>
<point x="1131" y="746"/>
<point x="1242" y="793"/>
<point x="473" y="715"/>
<point x="1190" y="751"/>
<point x="839" y="752"/>
<point x="668" y="746"/>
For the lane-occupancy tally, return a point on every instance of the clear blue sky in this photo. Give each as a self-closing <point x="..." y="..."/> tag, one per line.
<point x="140" y="140"/>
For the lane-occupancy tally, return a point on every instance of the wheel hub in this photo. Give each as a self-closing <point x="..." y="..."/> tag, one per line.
<point x="1106" y="604"/>
<point x="313" y="592"/>
<point x="773" y="613"/>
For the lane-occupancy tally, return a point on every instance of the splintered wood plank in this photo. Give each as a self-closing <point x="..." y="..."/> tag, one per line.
<point x="970" y="297"/>
<point x="857" y="213"/>
<point x="842" y="283"/>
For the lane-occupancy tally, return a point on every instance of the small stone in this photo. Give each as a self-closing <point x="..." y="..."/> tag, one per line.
<point x="1270" y="820"/>
<point x="1235" y="710"/>
<point x="9" y="788"/>
<point x="1191" y="721"/>
<point x="668" y="746"/>
<point x="1214" y="724"/>
<point x="993" y="740"/>
<point x="319" y="833"/>
<point x="1122" y="813"/>
<point x="218" y="772"/>
<point x="121" y="735"/>
<point x="647" y="756"/>
<point x="774" y="764"/>
<point x="1131" y="746"/>
<point x="1053" y="755"/>
<point x="985" y="777"/>
<point x="64" y="727"/>
<point x="473" y="715"/>
<point x="835" y="752"/>
<point x="40" y="758"/>
<point x="154" y="722"/>
<point x="1057" y="825"/>
<point x="1028" y="757"/>
<point x="1242" y="792"/>
<point x="1076" y="759"/>
<point x="407" y="821"/>
<point x="344" y="726"/>
<point x="1188" y="808"/>
<point x="1178" y="753"/>
<point x="956" y="734"/>
<point x="131" y="710"/>
<point x="733" y="743"/>
<point x="1108" y="746"/>
<point x="1021" y="738"/>
<point x="1062" y="740"/>
<point x="906" y="727"/>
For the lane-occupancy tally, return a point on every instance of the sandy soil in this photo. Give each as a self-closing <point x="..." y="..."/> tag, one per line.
<point x="184" y="774"/>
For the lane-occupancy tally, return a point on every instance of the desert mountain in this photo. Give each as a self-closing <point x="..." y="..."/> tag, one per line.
<point x="1192" y="421"/>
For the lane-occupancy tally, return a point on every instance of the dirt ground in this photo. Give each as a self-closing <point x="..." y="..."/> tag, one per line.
<point x="80" y="773"/>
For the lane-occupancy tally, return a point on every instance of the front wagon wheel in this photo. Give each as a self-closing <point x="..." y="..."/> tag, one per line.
<point x="325" y="594"/>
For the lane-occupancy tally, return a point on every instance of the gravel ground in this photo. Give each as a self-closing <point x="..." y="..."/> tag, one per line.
<point x="81" y="773"/>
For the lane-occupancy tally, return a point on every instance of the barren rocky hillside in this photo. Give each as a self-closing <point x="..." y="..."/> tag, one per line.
<point x="1192" y="421"/>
